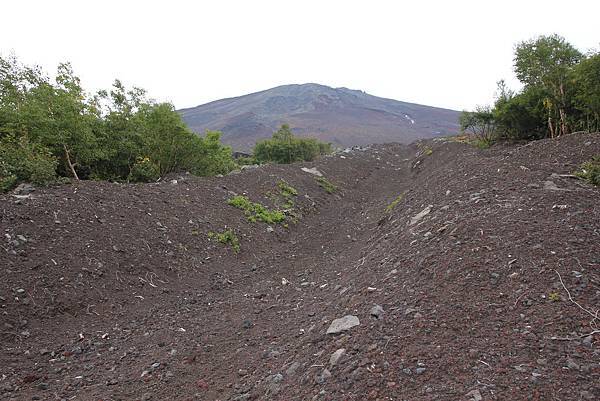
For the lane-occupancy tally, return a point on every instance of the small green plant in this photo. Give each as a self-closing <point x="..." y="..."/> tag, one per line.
<point x="255" y="211"/>
<point x="326" y="185"/>
<point x="395" y="202"/>
<point x="287" y="193"/>
<point x="590" y="171"/>
<point x="286" y="189"/>
<point x="554" y="297"/>
<point x="427" y="151"/>
<point x="226" y="237"/>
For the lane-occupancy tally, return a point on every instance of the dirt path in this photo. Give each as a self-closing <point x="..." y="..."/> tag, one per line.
<point x="115" y="292"/>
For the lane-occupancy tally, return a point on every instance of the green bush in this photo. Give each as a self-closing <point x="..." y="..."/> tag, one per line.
<point x="285" y="148"/>
<point x="226" y="237"/>
<point x="590" y="171"/>
<point x="23" y="161"/>
<point x="256" y="211"/>
<point x="144" y="170"/>
<point x="326" y="185"/>
<point x="102" y="136"/>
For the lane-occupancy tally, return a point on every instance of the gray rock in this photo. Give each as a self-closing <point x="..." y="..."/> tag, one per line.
<point x="551" y="186"/>
<point x="312" y="171"/>
<point x="24" y="189"/>
<point x="415" y="219"/>
<point x="377" y="311"/>
<point x="322" y="378"/>
<point x="571" y="364"/>
<point x="291" y="370"/>
<point x="420" y="371"/>
<point x="335" y="357"/>
<point x="343" y="324"/>
<point x="474" y="395"/>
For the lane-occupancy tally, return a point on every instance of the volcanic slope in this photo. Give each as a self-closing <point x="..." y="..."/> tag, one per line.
<point x="342" y="116"/>
<point x="485" y="265"/>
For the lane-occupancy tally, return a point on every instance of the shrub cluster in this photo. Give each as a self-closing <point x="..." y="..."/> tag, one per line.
<point x="284" y="147"/>
<point x="51" y="128"/>
<point x="560" y="95"/>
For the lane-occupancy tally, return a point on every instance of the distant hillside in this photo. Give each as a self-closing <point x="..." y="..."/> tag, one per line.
<point x="342" y="116"/>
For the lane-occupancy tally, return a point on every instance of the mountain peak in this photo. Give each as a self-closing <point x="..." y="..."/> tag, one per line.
<point x="343" y="116"/>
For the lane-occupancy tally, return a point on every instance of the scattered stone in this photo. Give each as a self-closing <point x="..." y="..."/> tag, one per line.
<point x="322" y="378"/>
<point x="551" y="186"/>
<point x="335" y="357"/>
<point x="270" y="229"/>
<point x="571" y="364"/>
<point x="474" y="395"/>
<point x="415" y="219"/>
<point x="343" y="324"/>
<point x="312" y="171"/>
<point x="291" y="370"/>
<point x="24" y="189"/>
<point x="377" y="311"/>
<point x="420" y="371"/>
<point x="247" y="324"/>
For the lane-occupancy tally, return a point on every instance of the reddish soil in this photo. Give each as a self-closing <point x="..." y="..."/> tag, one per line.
<point x="115" y="292"/>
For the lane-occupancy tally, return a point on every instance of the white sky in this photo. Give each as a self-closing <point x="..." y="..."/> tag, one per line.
<point x="439" y="53"/>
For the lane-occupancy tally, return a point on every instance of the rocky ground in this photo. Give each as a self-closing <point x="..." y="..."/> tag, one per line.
<point x="434" y="271"/>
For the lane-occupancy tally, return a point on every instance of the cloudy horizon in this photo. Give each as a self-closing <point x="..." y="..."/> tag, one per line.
<point x="434" y="53"/>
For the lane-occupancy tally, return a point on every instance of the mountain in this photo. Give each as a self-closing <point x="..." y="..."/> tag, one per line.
<point x="342" y="116"/>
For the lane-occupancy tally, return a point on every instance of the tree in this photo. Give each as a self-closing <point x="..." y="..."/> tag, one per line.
<point x="50" y="127"/>
<point x="284" y="147"/>
<point x="481" y="123"/>
<point x="546" y="62"/>
<point x="586" y="76"/>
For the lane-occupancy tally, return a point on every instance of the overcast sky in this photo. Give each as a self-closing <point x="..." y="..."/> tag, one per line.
<point x="440" y="53"/>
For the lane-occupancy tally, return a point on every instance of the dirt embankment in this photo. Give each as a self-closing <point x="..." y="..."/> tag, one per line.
<point x="473" y="275"/>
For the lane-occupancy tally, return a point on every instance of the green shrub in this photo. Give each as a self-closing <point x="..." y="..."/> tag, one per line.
<point x="590" y="171"/>
<point x="326" y="185"/>
<point x="144" y="170"/>
<point x="23" y="161"/>
<point x="285" y="148"/>
<point x="287" y="192"/>
<point x="395" y="202"/>
<point x="256" y="211"/>
<point x="226" y="237"/>
<point x="286" y="189"/>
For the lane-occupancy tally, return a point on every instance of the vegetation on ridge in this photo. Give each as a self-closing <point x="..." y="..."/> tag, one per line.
<point x="560" y="95"/>
<point x="52" y="127"/>
<point x="284" y="147"/>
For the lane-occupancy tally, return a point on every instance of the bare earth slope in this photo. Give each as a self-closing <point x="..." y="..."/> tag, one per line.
<point x="115" y="292"/>
<point x="342" y="116"/>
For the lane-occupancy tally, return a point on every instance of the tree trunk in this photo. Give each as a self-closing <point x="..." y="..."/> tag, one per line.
<point x="71" y="165"/>
<point x="551" y="127"/>
<point x="561" y="111"/>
